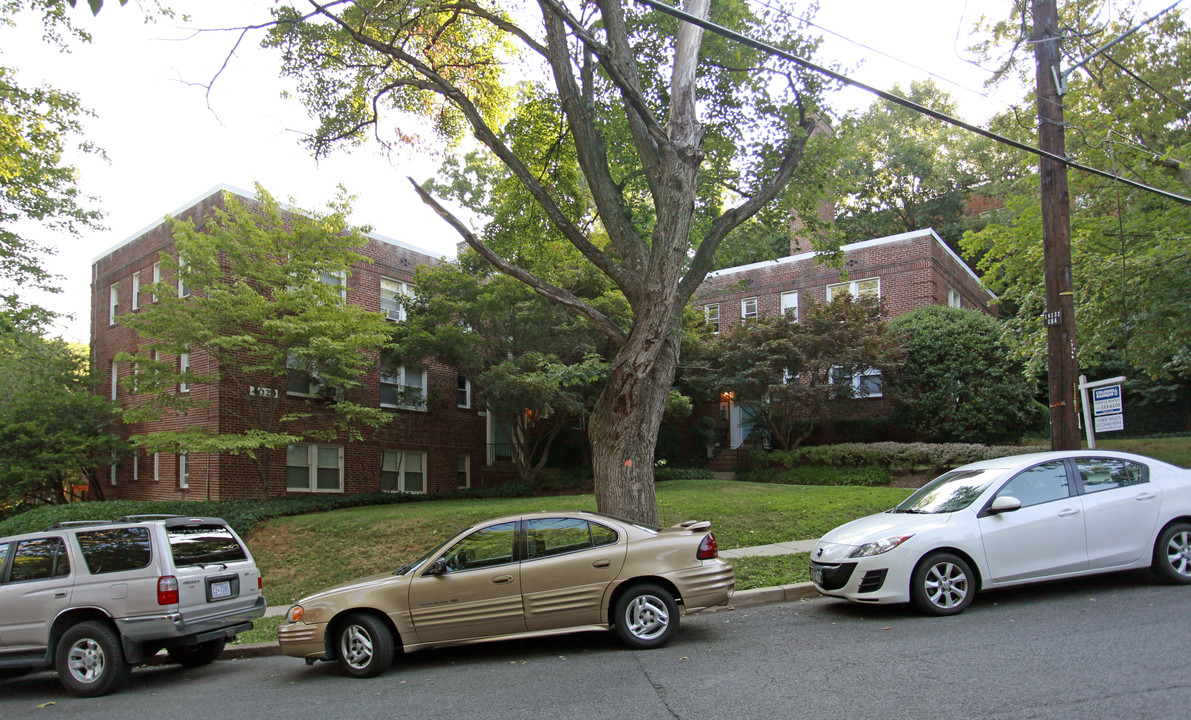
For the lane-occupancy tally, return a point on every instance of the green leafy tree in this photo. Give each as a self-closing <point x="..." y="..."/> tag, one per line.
<point x="794" y="375"/>
<point x="1127" y="112"/>
<point x="533" y="366"/>
<point x="961" y="381"/>
<point x="52" y="425"/>
<point x="262" y="310"/>
<point x="905" y="171"/>
<point x="680" y="140"/>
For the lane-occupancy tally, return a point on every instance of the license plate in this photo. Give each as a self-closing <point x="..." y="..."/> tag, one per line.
<point x="221" y="589"/>
<point x="817" y="575"/>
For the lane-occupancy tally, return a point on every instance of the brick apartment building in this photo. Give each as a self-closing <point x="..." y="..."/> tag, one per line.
<point x="907" y="271"/>
<point x="440" y="445"/>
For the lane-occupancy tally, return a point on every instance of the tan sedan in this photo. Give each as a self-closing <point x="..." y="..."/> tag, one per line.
<point x="524" y="576"/>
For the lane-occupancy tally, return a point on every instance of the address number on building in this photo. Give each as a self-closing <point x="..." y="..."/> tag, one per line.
<point x="263" y="392"/>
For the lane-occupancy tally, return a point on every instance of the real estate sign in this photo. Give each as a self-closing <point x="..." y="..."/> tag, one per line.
<point x="1108" y="408"/>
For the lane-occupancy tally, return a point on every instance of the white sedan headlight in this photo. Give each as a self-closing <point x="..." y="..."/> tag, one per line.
<point x="880" y="546"/>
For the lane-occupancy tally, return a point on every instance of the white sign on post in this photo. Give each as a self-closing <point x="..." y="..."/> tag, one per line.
<point x="1107" y="401"/>
<point x="1109" y="423"/>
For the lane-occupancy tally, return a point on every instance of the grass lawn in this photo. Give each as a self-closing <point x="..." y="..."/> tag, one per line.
<point x="1174" y="450"/>
<point x="301" y="554"/>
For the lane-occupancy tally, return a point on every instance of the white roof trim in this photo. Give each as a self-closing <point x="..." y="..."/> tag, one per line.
<point x="247" y="195"/>
<point x="855" y="246"/>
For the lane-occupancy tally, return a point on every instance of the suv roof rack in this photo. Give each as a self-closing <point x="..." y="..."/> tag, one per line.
<point x="78" y="523"/>
<point x="145" y="518"/>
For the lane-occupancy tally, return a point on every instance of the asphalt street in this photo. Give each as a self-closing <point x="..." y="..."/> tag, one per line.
<point x="1112" y="647"/>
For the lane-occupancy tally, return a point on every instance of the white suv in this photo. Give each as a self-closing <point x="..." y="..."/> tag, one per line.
<point x="94" y="598"/>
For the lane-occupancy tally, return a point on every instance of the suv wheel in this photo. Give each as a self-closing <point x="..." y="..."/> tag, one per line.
<point x="197" y="655"/>
<point x="90" y="661"/>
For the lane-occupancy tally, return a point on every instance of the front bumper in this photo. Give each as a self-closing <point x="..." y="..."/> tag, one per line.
<point x="867" y="580"/>
<point x="303" y="640"/>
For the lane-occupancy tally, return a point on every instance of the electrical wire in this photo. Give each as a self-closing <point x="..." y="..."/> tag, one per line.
<point x="898" y="100"/>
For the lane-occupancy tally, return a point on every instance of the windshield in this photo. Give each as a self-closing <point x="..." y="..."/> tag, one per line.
<point x="949" y="492"/>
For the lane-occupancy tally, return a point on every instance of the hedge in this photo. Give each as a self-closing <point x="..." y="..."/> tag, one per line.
<point x="897" y="457"/>
<point x="866" y="476"/>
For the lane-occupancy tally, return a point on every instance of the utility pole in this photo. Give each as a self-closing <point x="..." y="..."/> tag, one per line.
<point x="1056" y="230"/>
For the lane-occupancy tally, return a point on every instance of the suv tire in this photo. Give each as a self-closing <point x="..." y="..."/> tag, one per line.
<point x="192" y="656"/>
<point x="90" y="661"/>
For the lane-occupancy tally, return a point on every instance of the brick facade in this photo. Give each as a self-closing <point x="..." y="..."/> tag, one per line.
<point x="443" y="432"/>
<point x="909" y="271"/>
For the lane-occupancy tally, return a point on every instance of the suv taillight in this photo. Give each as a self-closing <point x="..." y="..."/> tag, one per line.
<point x="167" y="590"/>
<point x="708" y="550"/>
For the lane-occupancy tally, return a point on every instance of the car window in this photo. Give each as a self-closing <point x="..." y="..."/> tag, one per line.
<point x="555" y="536"/>
<point x="115" y="549"/>
<point x="1040" y="484"/>
<point x="485" y="547"/>
<point x="39" y="559"/>
<point x="603" y="535"/>
<point x="204" y="545"/>
<point x="1108" y="473"/>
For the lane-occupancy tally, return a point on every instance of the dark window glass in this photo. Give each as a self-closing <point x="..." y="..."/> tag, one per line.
<point x="115" y="550"/>
<point x="1040" y="484"/>
<point x="484" y="548"/>
<point x="39" y="559"/>
<point x="1109" y="473"/>
<point x="204" y="545"/>
<point x="554" y="536"/>
<point x="601" y="535"/>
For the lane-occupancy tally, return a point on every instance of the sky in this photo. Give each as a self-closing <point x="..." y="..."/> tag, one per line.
<point x="169" y="139"/>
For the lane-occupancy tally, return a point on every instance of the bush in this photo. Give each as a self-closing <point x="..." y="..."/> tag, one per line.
<point x="897" y="457"/>
<point x="866" y="476"/>
<point x="960" y="382"/>
<point x="661" y="474"/>
<point x="242" y="515"/>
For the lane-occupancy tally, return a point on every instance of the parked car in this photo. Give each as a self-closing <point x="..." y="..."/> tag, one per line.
<point x="523" y="576"/>
<point x="93" y="598"/>
<point x="1011" y="521"/>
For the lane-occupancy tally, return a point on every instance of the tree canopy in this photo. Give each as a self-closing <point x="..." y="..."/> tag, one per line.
<point x="680" y="139"/>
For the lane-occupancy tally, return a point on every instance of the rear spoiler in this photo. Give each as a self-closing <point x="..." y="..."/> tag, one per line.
<point x="690" y="526"/>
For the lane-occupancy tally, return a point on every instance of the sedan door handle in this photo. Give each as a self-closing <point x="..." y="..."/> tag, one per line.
<point x="601" y="563"/>
<point x="502" y="579"/>
<point x="1145" y="496"/>
<point x="60" y="594"/>
<point x="1068" y="512"/>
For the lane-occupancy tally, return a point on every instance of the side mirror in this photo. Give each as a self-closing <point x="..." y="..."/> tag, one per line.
<point x="1005" y="503"/>
<point x="438" y="567"/>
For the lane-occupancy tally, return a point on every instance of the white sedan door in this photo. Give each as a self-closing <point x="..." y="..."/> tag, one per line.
<point x="1044" y="537"/>
<point x="1120" y="511"/>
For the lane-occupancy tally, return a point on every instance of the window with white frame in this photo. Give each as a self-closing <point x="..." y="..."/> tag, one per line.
<point x="392" y="298"/>
<point x="748" y="308"/>
<point x="156" y="277"/>
<point x="335" y="279"/>
<point x="113" y="303"/>
<point x="136" y="466"/>
<point x="855" y="288"/>
<point x="403" y="471"/>
<point x="183" y="471"/>
<point x="464" y="473"/>
<point x="115" y="379"/>
<point x="462" y="392"/>
<point x="712" y="314"/>
<point x="790" y="304"/>
<point x="301" y="378"/>
<point x="183" y="369"/>
<point x="136" y="290"/>
<point x="183" y="291"/>
<point x="864" y="384"/>
<point x="112" y="468"/>
<point x="156" y="467"/>
<point x="313" y="468"/>
<point x="403" y="386"/>
<point x="953" y="298"/>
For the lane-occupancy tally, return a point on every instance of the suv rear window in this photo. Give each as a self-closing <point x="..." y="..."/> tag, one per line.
<point x="204" y="545"/>
<point x="116" y="549"/>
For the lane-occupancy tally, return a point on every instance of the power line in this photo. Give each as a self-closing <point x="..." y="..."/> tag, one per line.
<point x="898" y="100"/>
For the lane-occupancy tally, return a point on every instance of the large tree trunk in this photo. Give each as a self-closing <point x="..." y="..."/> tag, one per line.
<point x="624" y="424"/>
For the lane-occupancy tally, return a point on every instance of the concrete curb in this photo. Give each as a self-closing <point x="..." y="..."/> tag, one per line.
<point x="743" y="598"/>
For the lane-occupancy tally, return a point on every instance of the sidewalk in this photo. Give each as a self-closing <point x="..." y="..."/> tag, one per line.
<point x="742" y="598"/>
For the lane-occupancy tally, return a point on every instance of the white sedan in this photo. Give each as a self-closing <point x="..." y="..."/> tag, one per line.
<point x="1011" y="521"/>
